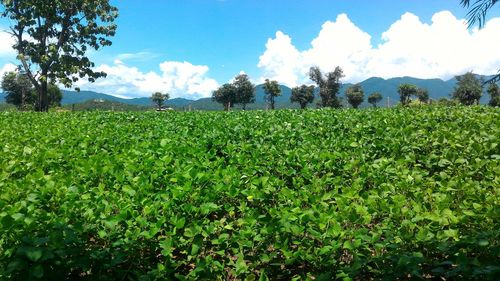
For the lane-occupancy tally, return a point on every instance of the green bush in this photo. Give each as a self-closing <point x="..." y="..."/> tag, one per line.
<point x="403" y="193"/>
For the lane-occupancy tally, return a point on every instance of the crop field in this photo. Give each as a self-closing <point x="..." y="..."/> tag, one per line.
<point x="264" y="195"/>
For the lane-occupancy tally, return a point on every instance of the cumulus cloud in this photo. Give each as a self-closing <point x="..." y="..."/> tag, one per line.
<point x="7" y="68"/>
<point x="410" y="47"/>
<point x="180" y="79"/>
<point x="6" y="43"/>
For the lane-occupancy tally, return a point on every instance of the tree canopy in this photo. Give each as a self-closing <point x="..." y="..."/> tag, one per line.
<point x="329" y="85"/>
<point x="53" y="37"/>
<point x="272" y="90"/>
<point x="374" y="98"/>
<point x="469" y="89"/>
<point x="225" y="95"/>
<point x="406" y="91"/>
<point x="245" y="90"/>
<point x="159" y="99"/>
<point x="355" y="95"/>
<point x="302" y="95"/>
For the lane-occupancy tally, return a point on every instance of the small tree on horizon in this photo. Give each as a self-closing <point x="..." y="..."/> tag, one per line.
<point x="374" y="98"/>
<point x="423" y="95"/>
<point x="245" y="90"/>
<point x="406" y="91"/>
<point x="329" y="86"/>
<point x="355" y="95"/>
<point x="469" y="89"/>
<point x="159" y="99"/>
<point x="302" y="95"/>
<point x="225" y="95"/>
<point x="272" y="90"/>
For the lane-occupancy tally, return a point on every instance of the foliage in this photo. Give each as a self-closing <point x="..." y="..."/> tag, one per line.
<point x="302" y="95"/>
<point x="55" y="95"/>
<point x="329" y="86"/>
<point x="389" y="194"/>
<point x="478" y="10"/>
<point x="226" y="95"/>
<point x="406" y="91"/>
<point x="52" y="38"/>
<point x="104" y="105"/>
<point x="245" y="90"/>
<point x="494" y="92"/>
<point x="272" y="90"/>
<point x="18" y="90"/>
<point x="469" y="89"/>
<point x="159" y="99"/>
<point x="374" y="99"/>
<point x="355" y="95"/>
<point x="423" y="95"/>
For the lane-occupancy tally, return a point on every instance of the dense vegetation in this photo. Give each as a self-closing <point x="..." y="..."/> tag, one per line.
<point x="378" y="193"/>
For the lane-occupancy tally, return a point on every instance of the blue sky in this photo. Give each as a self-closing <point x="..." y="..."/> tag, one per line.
<point x="204" y="43"/>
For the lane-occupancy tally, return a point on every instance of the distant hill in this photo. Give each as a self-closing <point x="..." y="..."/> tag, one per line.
<point x="387" y="87"/>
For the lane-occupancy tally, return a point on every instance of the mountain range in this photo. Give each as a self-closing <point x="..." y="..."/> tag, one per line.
<point x="387" y="87"/>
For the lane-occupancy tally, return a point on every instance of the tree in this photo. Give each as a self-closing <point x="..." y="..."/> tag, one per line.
<point x="329" y="86"/>
<point x="374" y="98"/>
<point x="159" y="99"/>
<point x="272" y="90"/>
<point x="469" y="89"/>
<point x="245" y="90"/>
<point x="494" y="92"/>
<point x="423" y="95"/>
<point x="355" y="95"/>
<point x="302" y="95"/>
<point x="406" y="91"/>
<point x="226" y="95"/>
<point x="18" y="90"/>
<point x="52" y="38"/>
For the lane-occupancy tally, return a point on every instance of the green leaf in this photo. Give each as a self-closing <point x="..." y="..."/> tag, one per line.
<point x="34" y="254"/>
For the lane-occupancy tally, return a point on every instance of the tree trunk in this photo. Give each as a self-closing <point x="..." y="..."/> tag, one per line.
<point x="272" y="103"/>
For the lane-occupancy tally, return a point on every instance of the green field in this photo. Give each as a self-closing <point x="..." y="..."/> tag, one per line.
<point x="317" y="194"/>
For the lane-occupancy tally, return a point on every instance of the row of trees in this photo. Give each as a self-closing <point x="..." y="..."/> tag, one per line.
<point x="20" y="92"/>
<point x="242" y="91"/>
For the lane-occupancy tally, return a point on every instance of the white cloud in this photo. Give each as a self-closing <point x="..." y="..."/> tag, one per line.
<point x="180" y="79"/>
<point x="6" y="43"/>
<point x="441" y="49"/>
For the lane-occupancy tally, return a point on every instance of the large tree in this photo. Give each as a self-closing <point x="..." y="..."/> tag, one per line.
<point x="302" y="95"/>
<point x="355" y="95"/>
<point x="159" y="99"/>
<point x="53" y="37"/>
<point x="406" y="91"/>
<point x="226" y="95"/>
<point x="494" y="92"/>
<point x="374" y="98"/>
<point x="272" y="90"/>
<point x="469" y="89"/>
<point x="329" y="86"/>
<point x="245" y="90"/>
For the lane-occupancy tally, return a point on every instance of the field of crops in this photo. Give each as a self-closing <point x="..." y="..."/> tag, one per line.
<point x="317" y="195"/>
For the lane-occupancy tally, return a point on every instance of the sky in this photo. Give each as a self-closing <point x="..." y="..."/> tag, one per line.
<point x="189" y="48"/>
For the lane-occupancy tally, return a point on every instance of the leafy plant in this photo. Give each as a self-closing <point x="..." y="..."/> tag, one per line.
<point x="404" y="193"/>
